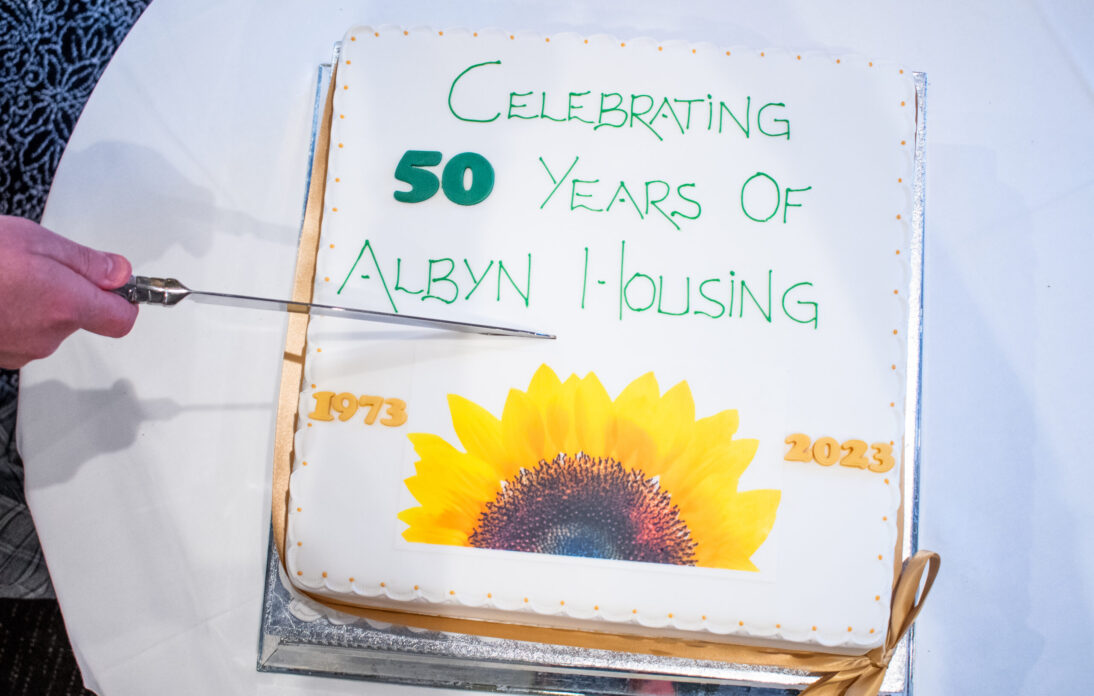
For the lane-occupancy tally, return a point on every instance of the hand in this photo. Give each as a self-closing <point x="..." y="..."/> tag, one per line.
<point x="50" y="287"/>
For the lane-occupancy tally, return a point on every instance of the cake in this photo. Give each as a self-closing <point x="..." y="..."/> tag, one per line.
<point x="712" y="447"/>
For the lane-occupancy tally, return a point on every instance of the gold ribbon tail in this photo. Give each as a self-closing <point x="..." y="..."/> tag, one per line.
<point x="863" y="675"/>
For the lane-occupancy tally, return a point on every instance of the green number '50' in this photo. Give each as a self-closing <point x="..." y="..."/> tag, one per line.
<point x="424" y="183"/>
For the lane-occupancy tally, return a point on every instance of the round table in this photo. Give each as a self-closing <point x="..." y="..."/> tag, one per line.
<point x="148" y="459"/>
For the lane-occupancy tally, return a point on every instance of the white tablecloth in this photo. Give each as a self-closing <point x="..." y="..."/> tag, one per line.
<point x="148" y="459"/>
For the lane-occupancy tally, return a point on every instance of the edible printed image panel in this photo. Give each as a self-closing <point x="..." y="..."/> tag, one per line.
<point x="569" y="470"/>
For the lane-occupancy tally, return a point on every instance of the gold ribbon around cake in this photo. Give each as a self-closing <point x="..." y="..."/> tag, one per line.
<point x="863" y="675"/>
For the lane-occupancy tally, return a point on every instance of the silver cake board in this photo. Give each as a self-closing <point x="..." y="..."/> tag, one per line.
<point x="300" y="636"/>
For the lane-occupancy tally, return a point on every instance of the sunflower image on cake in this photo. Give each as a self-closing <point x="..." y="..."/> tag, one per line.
<point x="569" y="471"/>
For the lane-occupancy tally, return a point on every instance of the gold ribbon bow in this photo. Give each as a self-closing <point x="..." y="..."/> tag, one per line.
<point x="862" y="675"/>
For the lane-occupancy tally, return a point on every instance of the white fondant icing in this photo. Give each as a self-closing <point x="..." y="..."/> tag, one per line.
<point x="828" y="561"/>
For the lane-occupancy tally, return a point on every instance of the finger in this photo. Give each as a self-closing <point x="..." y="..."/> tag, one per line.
<point x="106" y="270"/>
<point x="105" y="313"/>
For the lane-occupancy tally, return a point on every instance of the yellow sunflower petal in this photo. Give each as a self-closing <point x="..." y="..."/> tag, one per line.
<point x="592" y="416"/>
<point x="710" y="435"/>
<point x="675" y="420"/>
<point x="524" y="435"/>
<point x="695" y="484"/>
<point x="437" y="501"/>
<point x="719" y="426"/>
<point x="545" y="385"/>
<point x="477" y="429"/>
<point x="748" y="520"/>
<point x="638" y="398"/>
<point x="633" y="446"/>
<point x="630" y="440"/>
<point x="426" y="529"/>
<point x="454" y="481"/>
<point x="433" y="451"/>
<point x="741" y="453"/>
<point x="559" y="417"/>
<point x="713" y="464"/>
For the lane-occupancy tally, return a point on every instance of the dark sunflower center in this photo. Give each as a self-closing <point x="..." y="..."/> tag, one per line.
<point x="581" y="506"/>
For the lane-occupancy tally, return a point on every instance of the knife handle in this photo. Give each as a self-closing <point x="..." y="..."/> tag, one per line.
<point x="146" y="290"/>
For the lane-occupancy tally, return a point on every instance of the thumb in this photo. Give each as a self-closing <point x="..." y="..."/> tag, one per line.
<point x="106" y="270"/>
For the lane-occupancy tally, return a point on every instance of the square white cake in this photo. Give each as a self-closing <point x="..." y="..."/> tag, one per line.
<point x="712" y="446"/>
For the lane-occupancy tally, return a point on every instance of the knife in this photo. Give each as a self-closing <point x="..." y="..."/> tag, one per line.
<point x="168" y="292"/>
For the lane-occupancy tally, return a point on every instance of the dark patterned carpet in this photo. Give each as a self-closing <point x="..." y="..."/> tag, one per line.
<point x="52" y="52"/>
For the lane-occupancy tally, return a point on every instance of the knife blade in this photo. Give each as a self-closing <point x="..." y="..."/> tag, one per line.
<point x="169" y="292"/>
